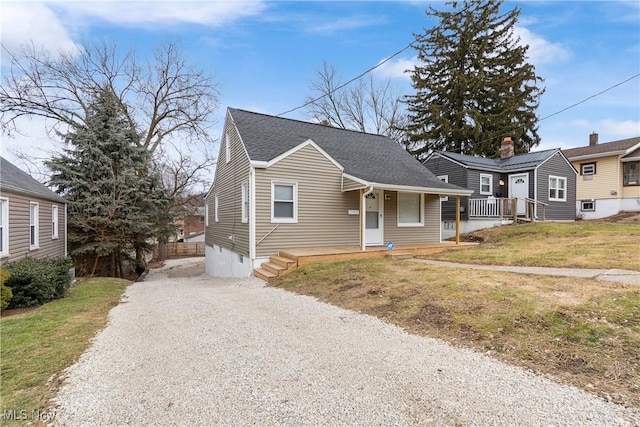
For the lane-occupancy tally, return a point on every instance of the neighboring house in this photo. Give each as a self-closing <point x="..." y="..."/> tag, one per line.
<point x="539" y="185"/>
<point x="32" y="217"/>
<point x="609" y="177"/>
<point x="282" y="184"/>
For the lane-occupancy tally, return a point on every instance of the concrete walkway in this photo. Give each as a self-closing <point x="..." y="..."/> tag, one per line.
<point x="627" y="277"/>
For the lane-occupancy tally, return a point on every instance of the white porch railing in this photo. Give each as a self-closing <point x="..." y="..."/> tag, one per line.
<point x="494" y="207"/>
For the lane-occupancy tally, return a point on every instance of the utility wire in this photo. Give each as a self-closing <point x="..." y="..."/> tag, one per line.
<point x="590" y="97"/>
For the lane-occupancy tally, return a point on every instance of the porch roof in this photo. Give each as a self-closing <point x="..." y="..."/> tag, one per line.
<point x="372" y="160"/>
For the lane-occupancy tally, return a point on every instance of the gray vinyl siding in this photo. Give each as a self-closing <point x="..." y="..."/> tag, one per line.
<point x="557" y="166"/>
<point x="430" y="232"/>
<point x="228" y="187"/>
<point x="18" y="228"/>
<point x="458" y="175"/>
<point x="323" y="219"/>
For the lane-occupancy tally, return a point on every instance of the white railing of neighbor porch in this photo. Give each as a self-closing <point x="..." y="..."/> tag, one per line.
<point x="494" y="207"/>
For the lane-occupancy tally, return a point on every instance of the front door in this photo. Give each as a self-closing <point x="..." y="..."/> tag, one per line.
<point x="373" y="219"/>
<point x="519" y="189"/>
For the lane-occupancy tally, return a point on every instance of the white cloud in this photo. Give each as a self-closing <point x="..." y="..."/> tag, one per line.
<point x="396" y="68"/>
<point x="148" y="13"/>
<point x="541" y="51"/>
<point x="616" y="128"/>
<point x="30" y="22"/>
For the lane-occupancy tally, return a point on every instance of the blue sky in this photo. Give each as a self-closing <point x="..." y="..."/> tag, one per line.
<point x="264" y="54"/>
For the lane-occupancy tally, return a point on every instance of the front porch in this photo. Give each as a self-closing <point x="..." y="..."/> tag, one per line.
<point x="289" y="259"/>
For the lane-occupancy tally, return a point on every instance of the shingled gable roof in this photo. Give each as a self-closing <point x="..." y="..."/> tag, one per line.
<point x="374" y="159"/>
<point x="16" y="180"/>
<point x="622" y="146"/>
<point x="518" y="162"/>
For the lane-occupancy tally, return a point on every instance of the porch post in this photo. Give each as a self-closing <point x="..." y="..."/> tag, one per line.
<point x="457" y="220"/>
<point x="362" y="220"/>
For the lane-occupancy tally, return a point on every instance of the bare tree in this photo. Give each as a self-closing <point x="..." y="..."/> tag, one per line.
<point x="369" y="106"/>
<point x="168" y="103"/>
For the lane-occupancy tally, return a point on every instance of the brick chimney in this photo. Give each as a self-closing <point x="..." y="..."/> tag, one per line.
<point x="593" y="139"/>
<point x="506" y="148"/>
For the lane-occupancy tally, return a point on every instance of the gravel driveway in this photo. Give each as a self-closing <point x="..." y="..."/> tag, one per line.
<point x="185" y="349"/>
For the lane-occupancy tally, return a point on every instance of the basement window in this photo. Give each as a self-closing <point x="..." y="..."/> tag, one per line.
<point x="588" y="205"/>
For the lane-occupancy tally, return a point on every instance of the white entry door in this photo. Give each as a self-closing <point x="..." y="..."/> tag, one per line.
<point x="519" y="188"/>
<point x="373" y="219"/>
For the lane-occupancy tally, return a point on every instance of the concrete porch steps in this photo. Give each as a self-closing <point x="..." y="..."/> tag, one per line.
<point x="400" y="255"/>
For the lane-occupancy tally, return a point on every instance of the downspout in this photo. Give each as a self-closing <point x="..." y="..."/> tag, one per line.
<point x="252" y="215"/>
<point x="363" y="206"/>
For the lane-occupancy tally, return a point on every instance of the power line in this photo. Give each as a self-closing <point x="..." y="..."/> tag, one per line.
<point x="590" y="97"/>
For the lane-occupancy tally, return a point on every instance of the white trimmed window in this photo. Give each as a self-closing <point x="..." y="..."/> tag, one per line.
<point x="34" y="218"/>
<point x="558" y="188"/>
<point x="227" y="147"/>
<point x="206" y="215"/>
<point x="444" y="178"/>
<point x="486" y="184"/>
<point x="245" y="202"/>
<point x="4" y="226"/>
<point x="410" y="212"/>
<point x="215" y="208"/>
<point x="284" y="202"/>
<point x="587" y="169"/>
<point x="54" y="222"/>
<point x="631" y="173"/>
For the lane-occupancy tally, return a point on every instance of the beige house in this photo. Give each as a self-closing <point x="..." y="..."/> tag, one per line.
<point x="608" y="177"/>
<point x="282" y="184"/>
<point x="33" y="219"/>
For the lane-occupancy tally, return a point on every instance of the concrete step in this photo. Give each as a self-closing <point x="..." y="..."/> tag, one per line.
<point x="263" y="274"/>
<point x="400" y="255"/>
<point x="272" y="268"/>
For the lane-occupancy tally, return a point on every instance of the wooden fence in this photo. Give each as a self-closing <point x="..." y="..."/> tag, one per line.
<point x="180" y="249"/>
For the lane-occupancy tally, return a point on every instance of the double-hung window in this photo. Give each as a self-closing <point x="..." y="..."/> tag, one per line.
<point x="631" y="173"/>
<point x="54" y="222"/>
<point x="34" y="218"/>
<point x="215" y="208"/>
<point x="4" y="226"/>
<point x="284" y="202"/>
<point x="557" y="188"/>
<point x="410" y="211"/>
<point x="245" y="202"/>
<point x="486" y="184"/>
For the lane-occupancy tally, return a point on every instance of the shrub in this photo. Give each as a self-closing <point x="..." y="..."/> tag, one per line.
<point x="5" y="291"/>
<point x="36" y="281"/>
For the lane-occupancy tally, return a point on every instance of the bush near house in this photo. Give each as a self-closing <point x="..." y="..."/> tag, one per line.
<point x="5" y="291"/>
<point x="36" y="281"/>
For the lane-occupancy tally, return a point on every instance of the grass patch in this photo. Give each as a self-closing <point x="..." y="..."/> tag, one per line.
<point x="39" y="344"/>
<point x="580" y="244"/>
<point x="584" y="332"/>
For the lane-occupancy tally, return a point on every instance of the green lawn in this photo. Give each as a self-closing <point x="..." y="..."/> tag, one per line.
<point x="36" y="346"/>
<point x="580" y="244"/>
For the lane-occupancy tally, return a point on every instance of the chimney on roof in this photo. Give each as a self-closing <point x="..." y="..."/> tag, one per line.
<point x="593" y="139"/>
<point x="506" y="148"/>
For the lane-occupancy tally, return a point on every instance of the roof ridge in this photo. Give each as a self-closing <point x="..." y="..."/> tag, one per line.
<point x="270" y="116"/>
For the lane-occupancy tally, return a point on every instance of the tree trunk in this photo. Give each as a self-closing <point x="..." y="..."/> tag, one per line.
<point x="162" y="249"/>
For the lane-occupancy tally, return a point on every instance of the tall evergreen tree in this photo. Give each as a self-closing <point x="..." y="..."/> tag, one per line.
<point x="115" y="203"/>
<point x="474" y="85"/>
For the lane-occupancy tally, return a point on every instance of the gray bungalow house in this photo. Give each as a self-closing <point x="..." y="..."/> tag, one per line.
<point x="533" y="186"/>
<point x="33" y="219"/>
<point x="283" y="183"/>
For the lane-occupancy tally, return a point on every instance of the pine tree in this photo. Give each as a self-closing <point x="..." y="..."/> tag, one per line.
<point x="474" y="85"/>
<point x="115" y="205"/>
